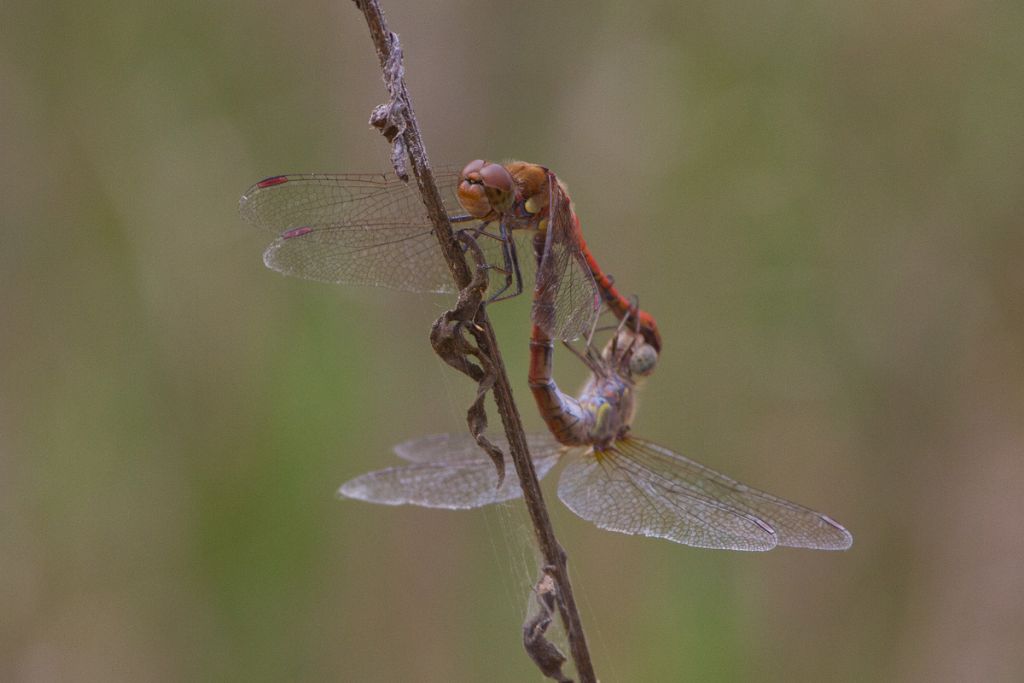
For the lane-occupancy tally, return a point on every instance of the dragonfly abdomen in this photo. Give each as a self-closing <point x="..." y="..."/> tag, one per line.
<point x="569" y="422"/>
<point x="618" y="304"/>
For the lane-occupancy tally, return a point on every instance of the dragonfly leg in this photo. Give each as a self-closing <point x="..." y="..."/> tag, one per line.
<point x="589" y="357"/>
<point x="630" y="313"/>
<point x="593" y="331"/>
<point x="474" y="233"/>
<point x="511" y="268"/>
<point x="510" y="263"/>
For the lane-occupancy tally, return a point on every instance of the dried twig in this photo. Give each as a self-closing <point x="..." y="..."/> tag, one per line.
<point x="447" y="336"/>
<point x="545" y="654"/>
<point x="397" y="121"/>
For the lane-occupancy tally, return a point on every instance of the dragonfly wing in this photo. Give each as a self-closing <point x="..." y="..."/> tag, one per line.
<point x="462" y="447"/>
<point x="650" y="490"/>
<point x="446" y="471"/>
<point x="568" y="300"/>
<point x="368" y="229"/>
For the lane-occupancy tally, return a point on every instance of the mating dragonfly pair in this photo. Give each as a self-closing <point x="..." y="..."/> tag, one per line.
<point x="372" y="229"/>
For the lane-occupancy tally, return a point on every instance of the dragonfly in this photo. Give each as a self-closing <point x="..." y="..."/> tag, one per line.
<point x="372" y="229"/>
<point x="616" y="480"/>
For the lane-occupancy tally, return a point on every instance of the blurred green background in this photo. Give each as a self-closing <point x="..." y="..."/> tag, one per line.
<point x="821" y="204"/>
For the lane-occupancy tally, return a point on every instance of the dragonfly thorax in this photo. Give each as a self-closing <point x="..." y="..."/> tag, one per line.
<point x="610" y="402"/>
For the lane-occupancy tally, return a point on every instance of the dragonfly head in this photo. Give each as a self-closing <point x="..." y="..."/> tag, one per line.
<point x="485" y="189"/>
<point x="643" y="359"/>
<point x="629" y="355"/>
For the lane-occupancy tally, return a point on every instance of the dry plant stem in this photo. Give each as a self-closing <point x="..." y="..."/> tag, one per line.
<point x="399" y="110"/>
<point x="548" y="658"/>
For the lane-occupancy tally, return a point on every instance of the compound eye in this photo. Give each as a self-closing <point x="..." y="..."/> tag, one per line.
<point x="472" y="168"/>
<point x="643" y="360"/>
<point x="496" y="176"/>
<point x="473" y="192"/>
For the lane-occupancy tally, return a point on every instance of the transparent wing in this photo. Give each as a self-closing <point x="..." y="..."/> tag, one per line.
<point x="367" y="229"/>
<point x="641" y="488"/>
<point x="462" y="447"/>
<point x="577" y="301"/>
<point x="448" y="471"/>
<point x="567" y="299"/>
<point x="372" y="229"/>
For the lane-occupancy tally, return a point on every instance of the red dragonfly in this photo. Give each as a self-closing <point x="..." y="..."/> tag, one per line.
<point x="372" y="229"/>
<point x="615" y="480"/>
